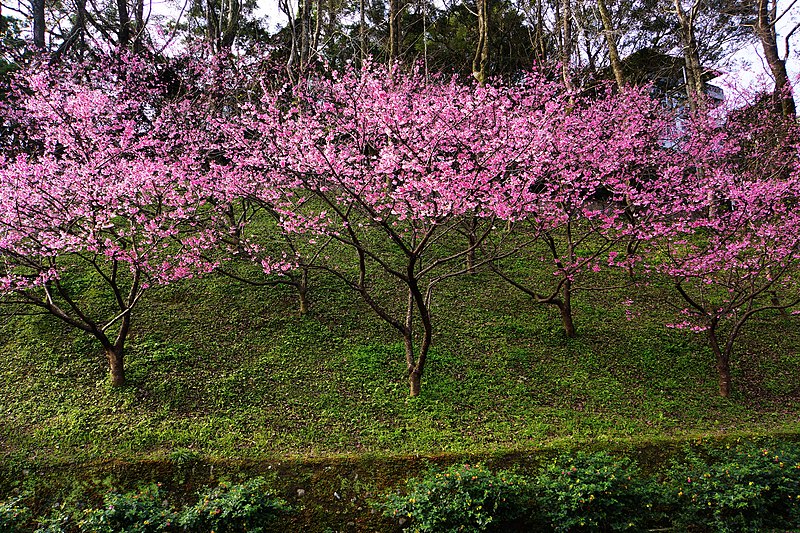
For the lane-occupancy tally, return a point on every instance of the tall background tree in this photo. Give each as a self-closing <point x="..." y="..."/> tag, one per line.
<point x="767" y="18"/>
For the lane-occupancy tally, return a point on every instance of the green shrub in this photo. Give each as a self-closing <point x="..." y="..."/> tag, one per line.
<point x="12" y="515"/>
<point x="57" y="521"/>
<point x="145" y="511"/>
<point x="744" y="488"/>
<point x="460" y="498"/>
<point x="249" y="506"/>
<point x="593" y="492"/>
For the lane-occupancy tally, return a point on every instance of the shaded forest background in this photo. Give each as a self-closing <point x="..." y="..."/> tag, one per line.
<point x="586" y="40"/>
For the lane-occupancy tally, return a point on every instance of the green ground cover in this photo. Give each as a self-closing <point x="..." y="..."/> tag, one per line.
<point x="224" y="374"/>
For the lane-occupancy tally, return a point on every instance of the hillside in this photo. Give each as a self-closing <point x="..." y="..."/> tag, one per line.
<point x="231" y="371"/>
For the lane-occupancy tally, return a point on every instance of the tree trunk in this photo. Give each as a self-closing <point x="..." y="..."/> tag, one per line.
<point x="415" y="372"/>
<point x="471" y="259"/>
<point x="566" y="44"/>
<point x="116" y="365"/>
<point x="631" y="248"/>
<point x="693" y="69"/>
<point x="565" y="307"/>
<point x="566" y="320"/>
<point x="394" y="31"/>
<point x="765" y="30"/>
<point x="611" y="41"/>
<point x="723" y="363"/>
<point x="124" y="32"/>
<point x="139" y="28"/>
<point x="230" y="18"/>
<point x="541" y="44"/>
<point x="37" y="6"/>
<point x="416" y="365"/>
<point x="302" y="293"/>
<point x="77" y="32"/>
<point x="314" y="50"/>
<point x="212" y="25"/>
<point x="305" y="33"/>
<point x="414" y="381"/>
<point x="116" y="352"/>
<point x="472" y="240"/>
<point x="481" y="59"/>
<point x="362" y="33"/>
<point x="293" y="48"/>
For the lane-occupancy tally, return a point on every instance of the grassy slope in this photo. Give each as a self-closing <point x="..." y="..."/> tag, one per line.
<point x="228" y="371"/>
<point x="226" y="380"/>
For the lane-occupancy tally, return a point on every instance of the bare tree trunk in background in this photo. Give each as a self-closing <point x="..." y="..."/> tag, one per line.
<point x="232" y="10"/>
<point x="765" y="30"/>
<point x="539" y="44"/>
<point x="317" y="29"/>
<point x="567" y="42"/>
<point x="305" y="33"/>
<point x="362" y="33"/>
<point x="394" y="30"/>
<point x="611" y="40"/>
<point x="76" y="33"/>
<point x="212" y="23"/>
<point x="309" y="31"/>
<point x="693" y="68"/>
<point x="124" y="31"/>
<point x="223" y="26"/>
<point x="287" y="10"/>
<point x="481" y="59"/>
<point x="139" y="27"/>
<point x="37" y="7"/>
<point x="295" y="61"/>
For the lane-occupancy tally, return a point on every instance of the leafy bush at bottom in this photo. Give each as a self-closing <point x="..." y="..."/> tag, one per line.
<point x="12" y="515"/>
<point x="461" y="498"/>
<point x="744" y="488"/>
<point x="145" y="511"/>
<point x="249" y="506"/>
<point x="593" y="492"/>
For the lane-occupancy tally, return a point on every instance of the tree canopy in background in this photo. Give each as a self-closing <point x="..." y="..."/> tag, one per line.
<point x="588" y="38"/>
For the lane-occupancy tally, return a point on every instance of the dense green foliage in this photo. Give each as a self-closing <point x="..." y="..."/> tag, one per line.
<point x="746" y="488"/>
<point x="227" y="507"/>
<point x="593" y="492"/>
<point x="739" y="486"/>
<point x="235" y="507"/>
<point x="12" y="514"/>
<point x="133" y="512"/>
<point x="460" y="498"/>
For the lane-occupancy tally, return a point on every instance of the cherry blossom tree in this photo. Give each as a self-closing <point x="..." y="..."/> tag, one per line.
<point x="251" y="235"/>
<point x="394" y="167"/>
<point x="387" y="166"/>
<point x="214" y="130"/>
<point x="103" y="191"/>
<point x="726" y="231"/>
<point x="602" y="150"/>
